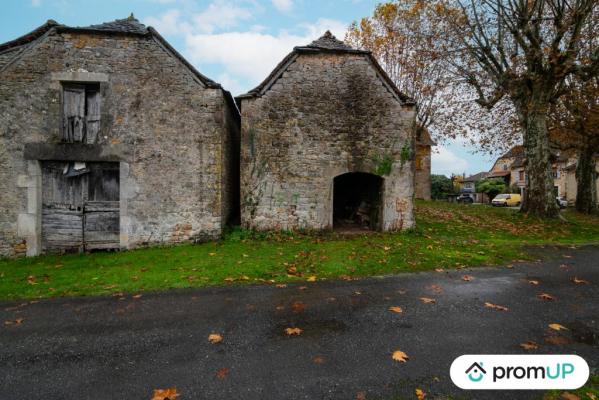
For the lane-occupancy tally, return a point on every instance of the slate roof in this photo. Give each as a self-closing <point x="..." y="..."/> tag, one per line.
<point x="476" y="177"/>
<point x="330" y="44"/>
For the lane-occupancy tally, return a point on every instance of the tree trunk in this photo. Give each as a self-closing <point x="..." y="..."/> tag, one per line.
<point x="539" y="198"/>
<point x="586" y="176"/>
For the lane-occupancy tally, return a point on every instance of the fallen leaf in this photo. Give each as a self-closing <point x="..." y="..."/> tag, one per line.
<point x="496" y="306"/>
<point x="312" y="278"/>
<point x="439" y="270"/>
<point x="302" y="288"/>
<point x="222" y="373"/>
<point x="361" y="396"/>
<point x="293" y="331"/>
<point x="533" y="282"/>
<point x="420" y="395"/>
<point x="467" y="278"/>
<point x="165" y="394"/>
<point x="428" y="300"/>
<point x="17" y="321"/>
<point x="557" y="327"/>
<point x="229" y="279"/>
<point x="580" y="281"/>
<point x="395" y="309"/>
<point x="137" y="296"/>
<point x="298" y="307"/>
<point x="31" y="280"/>
<point x="568" y="396"/>
<point x="215" y="338"/>
<point x="400" y="356"/>
<point x="530" y="345"/>
<point x="437" y="289"/>
<point x="211" y="254"/>
<point x="318" y="360"/>
<point x="546" y="297"/>
<point x="281" y="285"/>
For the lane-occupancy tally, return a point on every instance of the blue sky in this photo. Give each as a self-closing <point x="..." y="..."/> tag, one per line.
<point x="234" y="42"/>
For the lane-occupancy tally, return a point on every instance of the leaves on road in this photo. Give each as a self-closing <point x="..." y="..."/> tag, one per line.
<point x="558" y="340"/>
<point x="293" y="331"/>
<point x="495" y="306"/>
<point x="222" y="373"/>
<point x="557" y="327"/>
<point x="530" y="345"/>
<point x="400" y="356"/>
<point x="420" y="394"/>
<point x="467" y="278"/>
<point x="17" y="321"/>
<point x="437" y="289"/>
<point x="428" y="300"/>
<point x="298" y="307"/>
<point x="580" y="281"/>
<point x="395" y="309"/>
<point x="165" y="394"/>
<point x="533" y="282"/>
<point x="215" y="338"/>
<point x="318" y="360"/>
<point x="546" y="297"/>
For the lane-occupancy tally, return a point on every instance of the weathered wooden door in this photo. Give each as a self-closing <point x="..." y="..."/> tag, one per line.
<point x="80" y="213"/>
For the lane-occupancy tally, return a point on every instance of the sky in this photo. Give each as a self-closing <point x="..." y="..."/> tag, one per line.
<point x="234" y="42"/>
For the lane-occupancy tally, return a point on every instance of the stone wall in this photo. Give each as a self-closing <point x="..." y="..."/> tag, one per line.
<point x="171" y="125"/>
<point x="328" y="114"/>
<point x="422" y="175"/>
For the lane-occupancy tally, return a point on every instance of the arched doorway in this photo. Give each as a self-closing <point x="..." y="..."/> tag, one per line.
<point x="357" y="201"/>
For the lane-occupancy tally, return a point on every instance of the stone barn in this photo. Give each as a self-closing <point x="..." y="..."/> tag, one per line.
<point x="327" y="142"/>
<point x="110" y="139"/>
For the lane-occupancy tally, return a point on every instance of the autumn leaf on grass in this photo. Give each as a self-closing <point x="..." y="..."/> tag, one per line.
<point x="31" y="280"/>
<point x="568" y="396"/>
<point x="533" y="282"/>
<point x="165" y="394"/>
<point x="215" y="338"/>
<point x="312" y="278"/>
<point x="467" y="278"/>
<point x="293" y="331"/>
<point x="427" y="300"/>
<point x="530" y="345"/>
<point x="395" y="309"/>
<point x="222" y="373"/>
<point x="400" y="356"/>
<point x="439" y="270"/>
<point x="495" y="306"/>
<point x="557" y="327"/>
<point x="579" y="281"/>
<point x="137" y="296"/>
<point x="420" y="394"/>
<point x="546" y="297"/>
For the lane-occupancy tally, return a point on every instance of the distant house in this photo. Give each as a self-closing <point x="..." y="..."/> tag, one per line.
<point x="468" y="187"/>
<point x="504" y="166"/>
<point x="422" y="175"/>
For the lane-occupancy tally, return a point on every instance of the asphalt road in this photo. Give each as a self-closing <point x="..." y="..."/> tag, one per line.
<point x="111" y="348"/>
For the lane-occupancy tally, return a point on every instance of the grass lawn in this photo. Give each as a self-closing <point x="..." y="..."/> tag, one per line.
<point x="447" y="236"/>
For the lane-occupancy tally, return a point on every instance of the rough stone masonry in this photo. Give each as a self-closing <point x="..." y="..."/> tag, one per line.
<point x="161" y="139"/>
<point x="326" y="111"/>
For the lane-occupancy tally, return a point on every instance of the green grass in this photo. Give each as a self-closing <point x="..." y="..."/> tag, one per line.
<point x="447" y="236"/>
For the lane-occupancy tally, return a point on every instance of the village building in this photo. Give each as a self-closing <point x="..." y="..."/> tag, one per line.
<point x="110" y="139"/>
<point x="422" y="163"/>
<point x="327" y="142"/>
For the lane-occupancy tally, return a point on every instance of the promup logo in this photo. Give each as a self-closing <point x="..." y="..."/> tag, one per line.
<point x="494" y="371"/>
<point x="476" y="372"/>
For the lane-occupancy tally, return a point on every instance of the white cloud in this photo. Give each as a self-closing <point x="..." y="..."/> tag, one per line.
<point x="220" y="14"/>
<point x="445" y="162"/>
<point x="251" y="55"/>
<point x="169" y="23"/>
<point x="283" y="5"/>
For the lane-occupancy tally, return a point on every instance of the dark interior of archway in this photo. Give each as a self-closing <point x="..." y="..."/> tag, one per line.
<point x="357" y="201"/>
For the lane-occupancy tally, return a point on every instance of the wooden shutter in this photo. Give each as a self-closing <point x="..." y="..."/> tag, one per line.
<point x="92" y="116"/>
<point x="73" y="119"/>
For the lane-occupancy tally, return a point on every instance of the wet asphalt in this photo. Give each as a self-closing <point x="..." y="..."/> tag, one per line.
<point x="124" y="348"/>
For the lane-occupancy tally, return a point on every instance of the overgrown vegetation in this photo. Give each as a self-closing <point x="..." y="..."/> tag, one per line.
<point x="447" y="236"/>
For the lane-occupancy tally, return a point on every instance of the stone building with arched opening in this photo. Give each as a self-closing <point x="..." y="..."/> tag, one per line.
<point x="327" y="142"/>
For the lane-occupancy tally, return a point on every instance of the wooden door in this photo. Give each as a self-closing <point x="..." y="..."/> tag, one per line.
<point x="101" y="223"/>
<point x="80" y="213"/>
